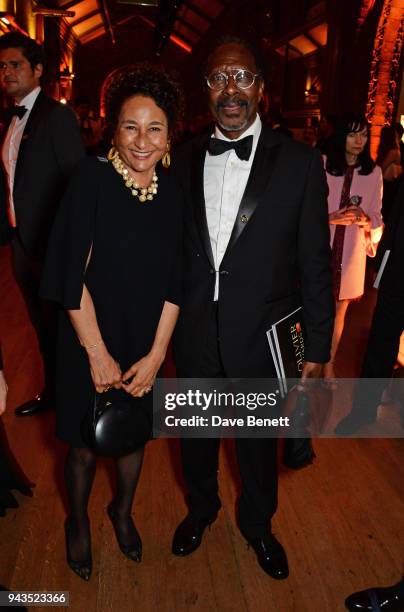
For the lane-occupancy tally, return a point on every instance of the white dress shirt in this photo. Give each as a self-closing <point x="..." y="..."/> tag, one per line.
<point x="225" y="180"/>
<point x="11" y="147"/>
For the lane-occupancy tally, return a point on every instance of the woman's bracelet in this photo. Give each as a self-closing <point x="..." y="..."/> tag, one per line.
<point x="90" y="347"/>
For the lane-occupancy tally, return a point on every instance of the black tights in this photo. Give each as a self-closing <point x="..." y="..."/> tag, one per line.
<point x="79" y="476"/>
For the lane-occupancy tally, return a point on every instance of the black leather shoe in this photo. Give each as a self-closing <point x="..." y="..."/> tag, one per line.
<point x="188" y="535"/>
<point x="351" y="424"/>
<point x="389" y="599"/>
<point x="270" y="555"/>
<point x="34" y="406"/>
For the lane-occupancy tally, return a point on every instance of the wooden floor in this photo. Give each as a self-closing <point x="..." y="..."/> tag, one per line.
<point x="341" y="520"/>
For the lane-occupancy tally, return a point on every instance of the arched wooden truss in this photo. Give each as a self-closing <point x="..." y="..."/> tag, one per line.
<point x="384" y="70"/>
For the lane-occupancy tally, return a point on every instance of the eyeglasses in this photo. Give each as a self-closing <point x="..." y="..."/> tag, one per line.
<point x="243" y="79"/>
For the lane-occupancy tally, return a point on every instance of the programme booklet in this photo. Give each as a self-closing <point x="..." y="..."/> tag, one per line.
<point x="285" y="338"/>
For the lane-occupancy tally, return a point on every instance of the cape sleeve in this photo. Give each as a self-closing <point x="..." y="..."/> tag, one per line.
<point x="174" y="290"/>
<point x="372" y="238"/>
<point x="72" y="237"/>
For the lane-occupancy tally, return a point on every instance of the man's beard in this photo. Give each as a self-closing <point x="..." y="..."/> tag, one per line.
<point x="233" y="128"/>
<point x="237" y="126"/>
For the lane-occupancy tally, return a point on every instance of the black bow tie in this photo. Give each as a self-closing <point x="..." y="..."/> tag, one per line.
<point x="242" y="147"/>
<point x="18" y="111"/>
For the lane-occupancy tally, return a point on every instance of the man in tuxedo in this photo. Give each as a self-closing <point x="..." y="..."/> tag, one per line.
<point x="41" y="146"/>
<point x="256" y="245"/>
<point x="381" y="353"/>
<point x="386" y="328"/>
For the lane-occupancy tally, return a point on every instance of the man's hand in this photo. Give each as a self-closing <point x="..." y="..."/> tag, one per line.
<point x="310" y="370"/>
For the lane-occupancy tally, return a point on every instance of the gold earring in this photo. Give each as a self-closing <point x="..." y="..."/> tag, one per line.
<point x="112" y="153"/>
<point x="166" y="161"/>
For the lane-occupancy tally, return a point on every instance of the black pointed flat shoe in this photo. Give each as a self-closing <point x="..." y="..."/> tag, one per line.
<point x="131" y="551"/>
<point x="83" y="569"/>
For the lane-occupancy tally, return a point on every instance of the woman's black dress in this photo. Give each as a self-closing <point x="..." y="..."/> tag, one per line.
<point x="134" y="268"/>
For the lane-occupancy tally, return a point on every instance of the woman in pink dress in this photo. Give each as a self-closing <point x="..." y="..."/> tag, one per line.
<point x="354" y="204"/>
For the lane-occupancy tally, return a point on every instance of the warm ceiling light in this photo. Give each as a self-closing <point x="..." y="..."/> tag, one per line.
<point x="66" y="74"/>
<point x="178" y="41"/>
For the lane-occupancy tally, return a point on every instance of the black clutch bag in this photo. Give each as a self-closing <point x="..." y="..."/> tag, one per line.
<point x="115" y="426"/>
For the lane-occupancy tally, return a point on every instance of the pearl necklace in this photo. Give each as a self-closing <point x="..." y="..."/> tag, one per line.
<point x="143" y="193"/>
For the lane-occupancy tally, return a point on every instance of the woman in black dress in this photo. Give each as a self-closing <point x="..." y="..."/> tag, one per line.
<point x="113" y="264"/>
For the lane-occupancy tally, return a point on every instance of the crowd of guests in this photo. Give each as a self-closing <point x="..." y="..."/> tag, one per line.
<point x="123" y="251"/>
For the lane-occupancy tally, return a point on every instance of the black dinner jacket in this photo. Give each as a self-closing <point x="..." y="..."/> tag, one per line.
<point x="50" y="148"/>
<point x="392" y="281"/>
<point x="278" y="257"/>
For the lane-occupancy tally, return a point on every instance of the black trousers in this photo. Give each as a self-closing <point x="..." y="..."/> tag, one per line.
<point x="381" y="353"/>
<point x="257" y="460"/>
<point x="27" y="273"/>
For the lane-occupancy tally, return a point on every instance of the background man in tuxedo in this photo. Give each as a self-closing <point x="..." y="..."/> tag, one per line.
<point x="386" y="329"/>
<point x="381" y="353"/>
<point x="41" y="146"/>
<point x="256" y="245"/>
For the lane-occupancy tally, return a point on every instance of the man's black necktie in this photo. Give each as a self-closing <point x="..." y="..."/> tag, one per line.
<point x="242" y="147"/>
<point x="16" y="111"/>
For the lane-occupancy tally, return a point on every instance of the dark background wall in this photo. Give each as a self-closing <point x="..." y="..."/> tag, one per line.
<point x="341" y="69"/>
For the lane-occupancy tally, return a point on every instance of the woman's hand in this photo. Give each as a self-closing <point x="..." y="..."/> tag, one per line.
<point x="361" y="217"/>
<point x="353" y="215"/>
<point x="3" y="393"/>
<point x="105" y="371"/>
<point x="341" y="217"/>
<point x="144" y="373"/>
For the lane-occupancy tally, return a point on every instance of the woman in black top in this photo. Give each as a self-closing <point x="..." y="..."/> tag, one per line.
<point x="113" y="264"/>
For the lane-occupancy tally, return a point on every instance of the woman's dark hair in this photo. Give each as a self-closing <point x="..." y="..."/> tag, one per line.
<point x="388" y="141"/>
<point x="141" y="80"/>
<point x="336" y="161"/>
<point x="30" y="49"/>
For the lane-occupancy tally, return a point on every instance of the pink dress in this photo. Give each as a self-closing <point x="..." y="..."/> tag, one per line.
<point x="356" y="244"/>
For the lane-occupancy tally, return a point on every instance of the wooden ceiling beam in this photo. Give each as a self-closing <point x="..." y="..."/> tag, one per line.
<point x="106" y="19"/>
<point x="91" y="30"/>
<point x="295" y="49"/>
<point x="184" y="38"/>
<point x="84" y="17"/>
<point x="70" y="4"/>
<point x="198" y="11"/>
<point x="312" y="40"/>
<point x="189" y="26"/>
